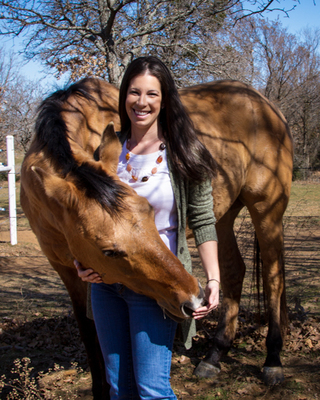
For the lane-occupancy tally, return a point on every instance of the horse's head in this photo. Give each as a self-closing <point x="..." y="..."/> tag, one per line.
<point x="111" y="229"/>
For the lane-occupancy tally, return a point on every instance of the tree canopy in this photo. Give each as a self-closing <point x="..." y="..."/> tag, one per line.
<point x="101" y="37"/>
<point x="199" y="40"/>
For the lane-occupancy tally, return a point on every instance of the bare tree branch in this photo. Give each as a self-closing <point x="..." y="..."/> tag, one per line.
<point x="115" y="30"/>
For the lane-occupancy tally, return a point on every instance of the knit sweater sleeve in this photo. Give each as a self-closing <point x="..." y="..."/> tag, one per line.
<point x="200" y="213"/>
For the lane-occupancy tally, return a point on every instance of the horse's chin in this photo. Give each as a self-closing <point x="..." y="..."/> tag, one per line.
<point x="174" y="317"/>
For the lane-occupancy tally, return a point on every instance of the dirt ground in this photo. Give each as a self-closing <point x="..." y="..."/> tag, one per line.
<point x="36" y="322"/>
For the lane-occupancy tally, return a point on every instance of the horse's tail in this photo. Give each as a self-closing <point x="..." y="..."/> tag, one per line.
<point x="283" y="301"/>
<point x="257" y="267"/>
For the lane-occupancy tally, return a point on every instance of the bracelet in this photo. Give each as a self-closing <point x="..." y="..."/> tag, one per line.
<point x="213" y="279"/>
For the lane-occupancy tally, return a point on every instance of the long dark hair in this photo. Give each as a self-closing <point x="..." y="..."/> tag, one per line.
<point x="190" y="159"/>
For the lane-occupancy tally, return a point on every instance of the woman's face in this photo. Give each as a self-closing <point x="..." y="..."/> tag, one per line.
<point x="143" y="102"/>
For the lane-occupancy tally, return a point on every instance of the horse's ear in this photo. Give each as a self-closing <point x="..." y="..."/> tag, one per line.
<point x="110" y="149"/>
<point x="57" y="188"/>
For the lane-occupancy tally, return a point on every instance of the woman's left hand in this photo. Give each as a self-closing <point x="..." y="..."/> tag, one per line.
<point x="212" y="298"/>
<point x="87" y="274"/>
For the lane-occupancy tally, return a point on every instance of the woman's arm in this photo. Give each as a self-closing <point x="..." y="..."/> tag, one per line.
<point x="208" y="252"/>
<point x="201" y="220"/>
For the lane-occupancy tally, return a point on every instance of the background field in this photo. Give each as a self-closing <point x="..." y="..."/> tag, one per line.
<point x="36" y="319"/>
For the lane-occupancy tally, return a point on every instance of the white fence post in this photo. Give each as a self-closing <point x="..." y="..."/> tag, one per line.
<point x="10" y="168"/>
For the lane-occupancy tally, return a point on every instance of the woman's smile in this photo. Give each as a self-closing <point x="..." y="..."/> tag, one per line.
<point x="141" y="113"/>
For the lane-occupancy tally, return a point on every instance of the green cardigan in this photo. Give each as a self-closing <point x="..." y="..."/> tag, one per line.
<point x="195" y="205"/>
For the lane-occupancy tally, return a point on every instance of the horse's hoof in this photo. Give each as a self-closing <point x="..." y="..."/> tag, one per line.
<point x="272" y="375"/>
<point x="206" y="370"/>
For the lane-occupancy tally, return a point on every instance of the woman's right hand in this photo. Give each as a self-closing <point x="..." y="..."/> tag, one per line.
<point x="87" y="275"/>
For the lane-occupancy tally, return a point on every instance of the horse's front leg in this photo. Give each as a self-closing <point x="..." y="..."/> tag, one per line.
<point x="78" y="294"/>
<point x="232" y="271"/>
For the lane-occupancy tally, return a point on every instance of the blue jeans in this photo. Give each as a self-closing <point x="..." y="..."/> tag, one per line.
<point x="136" y="341"/>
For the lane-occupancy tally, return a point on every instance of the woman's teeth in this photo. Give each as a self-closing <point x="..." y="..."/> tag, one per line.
<point x="141" y="112"/>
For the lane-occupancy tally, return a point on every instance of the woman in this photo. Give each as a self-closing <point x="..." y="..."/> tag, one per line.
<point x="163" y="160"/>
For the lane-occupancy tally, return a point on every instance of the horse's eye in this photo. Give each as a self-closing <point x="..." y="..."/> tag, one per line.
<point x="114" y="253"/>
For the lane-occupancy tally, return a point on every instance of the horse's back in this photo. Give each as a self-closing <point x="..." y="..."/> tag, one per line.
<point x="246" y="134"/>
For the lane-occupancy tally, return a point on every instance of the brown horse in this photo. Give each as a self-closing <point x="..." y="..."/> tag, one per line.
<point x="78" y="208"/>
<point x="251" y="142"/>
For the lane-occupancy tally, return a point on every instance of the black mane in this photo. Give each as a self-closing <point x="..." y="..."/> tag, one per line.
<point x="52" y="137"/>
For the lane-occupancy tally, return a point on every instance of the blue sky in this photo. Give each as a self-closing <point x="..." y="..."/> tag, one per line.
<point x="305" y="14"/>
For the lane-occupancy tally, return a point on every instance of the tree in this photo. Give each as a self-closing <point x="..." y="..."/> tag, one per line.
<point x="290" y="77"/>
<point x="281" y="56"/>
<point x="19" y="99"/>
<point x="306" y="120"/>
<point x="101" y="37"/>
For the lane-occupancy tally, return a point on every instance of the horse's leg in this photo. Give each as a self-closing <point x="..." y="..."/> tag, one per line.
<point x="269" y="230"/>
<point x="78" y="294"/>
<point x="232" y="271"/>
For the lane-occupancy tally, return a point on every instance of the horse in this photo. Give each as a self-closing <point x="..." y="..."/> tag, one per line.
<point x="79" y="209"/>
<point x="252" y="145"/>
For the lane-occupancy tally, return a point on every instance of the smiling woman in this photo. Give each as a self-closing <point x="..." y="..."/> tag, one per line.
<point x="172" y="171"/>
<point x="78" y="208"/>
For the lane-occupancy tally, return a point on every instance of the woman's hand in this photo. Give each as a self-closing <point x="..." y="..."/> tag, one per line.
<point x="212" y="298"/>
<point x="208" y="252"/>
<point x="87" y="275"/>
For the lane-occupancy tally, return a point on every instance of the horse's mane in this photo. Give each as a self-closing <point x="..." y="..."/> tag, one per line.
<point x="51" y="134"/>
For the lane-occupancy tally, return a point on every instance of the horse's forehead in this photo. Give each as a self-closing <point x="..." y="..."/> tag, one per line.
<point x="133" y="206"/>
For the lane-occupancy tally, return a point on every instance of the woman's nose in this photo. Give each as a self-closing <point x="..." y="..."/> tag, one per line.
<point x="142" y="100"/>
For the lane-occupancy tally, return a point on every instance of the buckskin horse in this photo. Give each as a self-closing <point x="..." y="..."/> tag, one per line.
<point x="79" y="209"/>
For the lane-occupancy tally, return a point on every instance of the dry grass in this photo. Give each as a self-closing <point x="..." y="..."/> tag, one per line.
<point x="36" y="319"/>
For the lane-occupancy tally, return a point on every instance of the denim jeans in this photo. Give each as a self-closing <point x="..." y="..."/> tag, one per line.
<point x="136" y="341"/>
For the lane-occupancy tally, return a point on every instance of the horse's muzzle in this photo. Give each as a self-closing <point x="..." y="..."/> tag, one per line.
<point x="189" y="306"/>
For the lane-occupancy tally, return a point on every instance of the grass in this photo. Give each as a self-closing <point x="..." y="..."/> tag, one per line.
<point x="302" y="255"/>
<point x="22" y="222"/>
<point x="24" y="386"/>
<point x="302" y="229"/>
<point x="304" y="200"/>
<point x="302" y="232"/>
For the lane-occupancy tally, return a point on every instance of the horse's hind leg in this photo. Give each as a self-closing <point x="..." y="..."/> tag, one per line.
<point x="269" y="230"/>
<point x="78" y="294"/>
<point x="232" y="271"/>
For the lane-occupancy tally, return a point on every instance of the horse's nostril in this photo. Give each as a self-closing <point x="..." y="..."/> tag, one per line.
<point x="187" y="309"/>
<point x="189" y="306"/>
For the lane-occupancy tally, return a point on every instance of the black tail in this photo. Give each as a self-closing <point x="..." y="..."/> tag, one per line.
<point x="257" y="267"/>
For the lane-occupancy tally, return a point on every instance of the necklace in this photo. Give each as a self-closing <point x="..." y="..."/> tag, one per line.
<point x="135" y="172"/>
